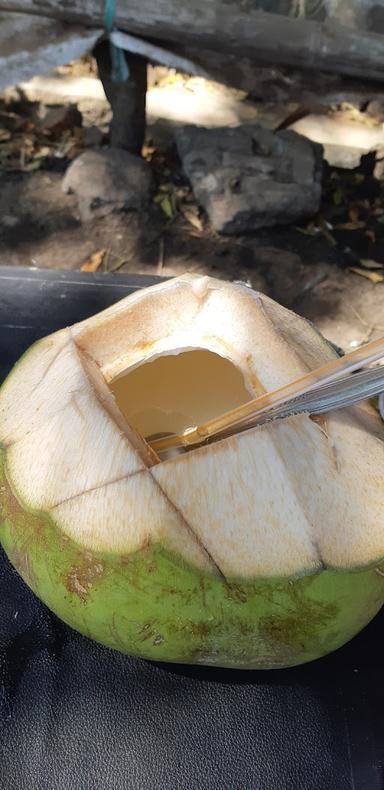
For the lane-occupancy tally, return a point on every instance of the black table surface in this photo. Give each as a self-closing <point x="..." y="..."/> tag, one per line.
<point x="76" y="715"/>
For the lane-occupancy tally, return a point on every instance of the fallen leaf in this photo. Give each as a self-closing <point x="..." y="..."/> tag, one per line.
<point x="368" y="263"/>
<point x="94" y="262"/>
<point x="167" y="204"/>
<point x="350" y="226"/>
<point x="349" y="112"/>
<point x="4" y="135"/>
<point x="42" y="152"/>
<point x="147" y="151"/>
<point x="171" y="77"/>
<point x="353" y="214"/>
<point x="374" y="277"/>
<point x="337" y="197"/>
<point x="193" y="219"/>
<point x="310" y="230"/>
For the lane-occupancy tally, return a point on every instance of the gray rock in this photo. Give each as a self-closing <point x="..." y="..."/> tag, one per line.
<point x="248" y="178"/>
<point x="108" y="180"/>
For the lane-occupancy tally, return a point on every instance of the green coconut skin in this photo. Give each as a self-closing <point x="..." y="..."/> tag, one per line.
<point x="152" y="604"/>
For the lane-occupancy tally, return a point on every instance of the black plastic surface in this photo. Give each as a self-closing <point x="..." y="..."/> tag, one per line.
<point x="76" y="715"/>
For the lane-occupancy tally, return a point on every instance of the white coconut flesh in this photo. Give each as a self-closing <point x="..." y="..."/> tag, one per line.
<point x="287" y="498"/>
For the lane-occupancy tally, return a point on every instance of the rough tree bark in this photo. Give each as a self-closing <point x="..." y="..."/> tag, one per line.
<point x="332" y="38"/>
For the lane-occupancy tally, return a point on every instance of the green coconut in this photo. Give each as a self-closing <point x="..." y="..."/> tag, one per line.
<point x="259" y="550"/>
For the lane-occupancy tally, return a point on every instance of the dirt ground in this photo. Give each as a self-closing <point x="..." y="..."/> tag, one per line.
<point x="308" y="268"/>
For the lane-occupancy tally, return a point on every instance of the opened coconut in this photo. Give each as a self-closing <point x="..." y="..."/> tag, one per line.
<point x="261" y="549"/>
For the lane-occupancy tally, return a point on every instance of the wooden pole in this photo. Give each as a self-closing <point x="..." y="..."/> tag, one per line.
<point x="127" y="99"/>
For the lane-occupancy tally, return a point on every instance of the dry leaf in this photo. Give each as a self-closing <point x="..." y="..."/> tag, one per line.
<point x="351" y="225"/>
<point x="368" y="263"/>
<point x="42" y="152"/>
<point x="353" y="214"/>
<point x="374" y="277"/>
<point x="4" y="135"/>
<point x="94" y="262"/>
<point x="24" y="147"/>
<point x="193" y="219"/>
<point x="148" y="151"/>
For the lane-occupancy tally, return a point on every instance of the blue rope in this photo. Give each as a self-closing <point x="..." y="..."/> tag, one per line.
<point x="119" y="66"/>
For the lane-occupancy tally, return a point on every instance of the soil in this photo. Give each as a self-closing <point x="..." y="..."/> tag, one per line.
<point x="306" y="268"/>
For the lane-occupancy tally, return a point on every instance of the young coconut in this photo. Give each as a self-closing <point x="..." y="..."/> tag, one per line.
<point x="259" y="550"/>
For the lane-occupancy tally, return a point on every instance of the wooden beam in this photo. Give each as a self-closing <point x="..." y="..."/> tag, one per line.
<point x="239" y="29"/>
<point x="33" y="46"/>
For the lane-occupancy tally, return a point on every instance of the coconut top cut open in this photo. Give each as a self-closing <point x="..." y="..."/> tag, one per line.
<point x="290" y="497"/>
